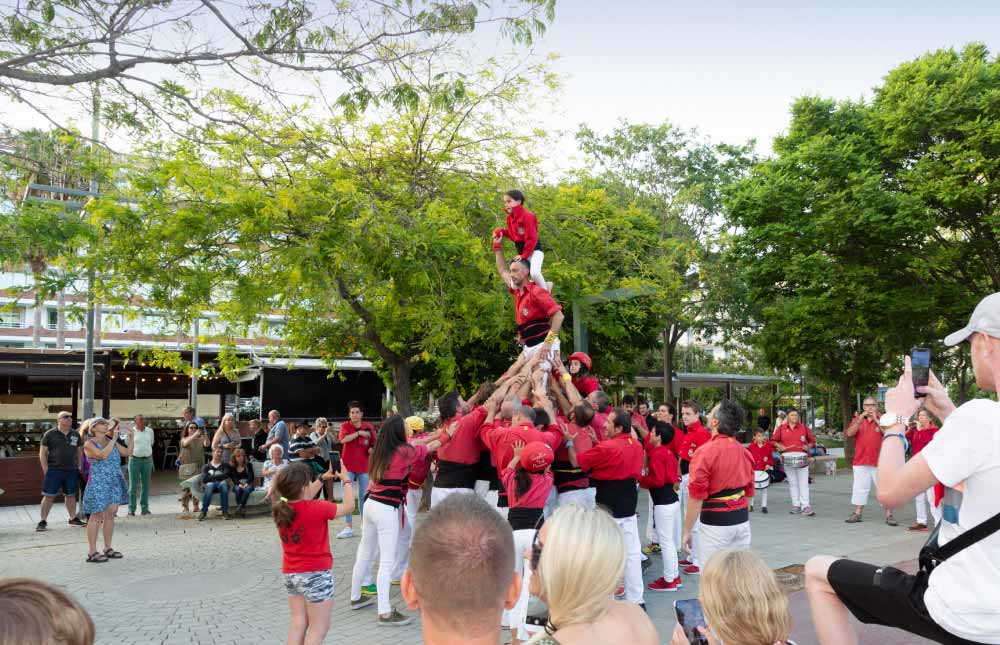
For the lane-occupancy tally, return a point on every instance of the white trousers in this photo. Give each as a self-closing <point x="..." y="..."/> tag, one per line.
<point x="380" y="536"/>
<point x="585" y="497"/>
<point x="514" y="618"/>
<point x="924" y="500"/>
<point x="664" y="515"/>
<point x="550" y="503"/>
<point x="544" y="365"/>
<point x="633" y="559"/>
<point x="760" y="494"/>
<point x="715" y="538"/>
<point x="651" y="520"/>
<point x="438" y="495"/>
<point x="864" y="481"/>
<point x="798" y="484"/>
<point x="482" y="487"/>
<point x="413" y="498"/>
<point x="683" y="496"/>
<point x="536" y="259"/>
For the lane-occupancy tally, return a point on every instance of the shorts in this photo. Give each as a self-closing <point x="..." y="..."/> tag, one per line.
<point x="316" y="586"/>
<point x="887" y="596"/>
<point x="56" y="479"/>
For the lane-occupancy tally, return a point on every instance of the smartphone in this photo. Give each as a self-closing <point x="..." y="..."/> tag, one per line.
<point x="920" y="363"/>
<point x="690" y="618"/>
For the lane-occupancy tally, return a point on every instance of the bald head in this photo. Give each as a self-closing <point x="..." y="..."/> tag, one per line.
<point x="466" y="540"/>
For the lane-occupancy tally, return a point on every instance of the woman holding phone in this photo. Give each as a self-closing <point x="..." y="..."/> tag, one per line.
<point x="106" y="488"/>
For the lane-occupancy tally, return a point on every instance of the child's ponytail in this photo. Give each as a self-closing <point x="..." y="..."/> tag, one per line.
<point x="522" y="482"/>
<point x="288" y="485"/>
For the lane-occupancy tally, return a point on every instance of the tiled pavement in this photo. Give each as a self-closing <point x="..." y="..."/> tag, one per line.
<point x="219" y="582"/>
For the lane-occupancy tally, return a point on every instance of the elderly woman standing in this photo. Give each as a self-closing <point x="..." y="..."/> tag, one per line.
<point x="106" y="488"/>
<point x="192" y="459"/>
<point x="227" y="437"/>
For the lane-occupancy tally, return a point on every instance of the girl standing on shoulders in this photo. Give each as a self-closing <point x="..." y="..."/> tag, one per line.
<point x="522" y="230"/>
<point x="305" y="544"/>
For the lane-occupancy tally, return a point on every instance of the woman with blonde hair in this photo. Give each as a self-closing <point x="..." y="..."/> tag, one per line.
<point x="227" y="437"/>
<point x="742" y="602"/>
<point x="578" y="559"/>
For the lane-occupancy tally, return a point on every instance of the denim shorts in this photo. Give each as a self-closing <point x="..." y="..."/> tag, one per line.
<point x="56" y="479"/>
<point x="316" y="586"/>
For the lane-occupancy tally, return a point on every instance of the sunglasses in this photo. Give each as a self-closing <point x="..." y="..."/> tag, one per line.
<point x="536" y="546"/>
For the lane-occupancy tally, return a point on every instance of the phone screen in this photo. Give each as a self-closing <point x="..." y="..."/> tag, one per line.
<point x="690" y="617"/>
<point x="920" y="362"/>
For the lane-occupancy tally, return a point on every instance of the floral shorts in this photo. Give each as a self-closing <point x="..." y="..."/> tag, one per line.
<point x="316" y="586"/>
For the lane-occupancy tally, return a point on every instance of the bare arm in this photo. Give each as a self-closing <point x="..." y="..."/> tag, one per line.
<point x="897" y="483"/>
<point x="217" y="440"/>
<point x="43" y="456"/>
<point x="855" y="425"/>
<point x="502" y="267"/>
<point x="347" y="506"/>
<point x="556" y="322"/>
<point x="561" y="399"/>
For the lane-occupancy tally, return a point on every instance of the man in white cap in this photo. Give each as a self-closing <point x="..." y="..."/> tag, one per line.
<point x="959" y="601"/>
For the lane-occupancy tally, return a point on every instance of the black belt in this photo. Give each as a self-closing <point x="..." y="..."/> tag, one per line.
<point x="135" y="457"/>
<point x="452" y="474"/>
<point x="619" y="496"/>
<point x="523" y="518"/>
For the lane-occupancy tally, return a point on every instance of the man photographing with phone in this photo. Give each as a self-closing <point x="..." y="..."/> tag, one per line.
<point x="955" y="598"/>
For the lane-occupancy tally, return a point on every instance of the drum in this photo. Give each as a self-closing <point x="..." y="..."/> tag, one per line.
<point x="795" y="459"/>
<point x="761" y="479"/>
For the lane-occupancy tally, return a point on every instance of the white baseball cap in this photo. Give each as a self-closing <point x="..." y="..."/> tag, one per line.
<point x="985" y="318"/>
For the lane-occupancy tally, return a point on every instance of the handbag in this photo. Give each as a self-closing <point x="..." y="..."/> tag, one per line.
<point x="186" y="471"/>
<point x="932" y="555"/>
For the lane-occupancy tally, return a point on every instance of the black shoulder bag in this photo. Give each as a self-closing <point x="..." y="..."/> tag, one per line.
<point x="931" y="555"/>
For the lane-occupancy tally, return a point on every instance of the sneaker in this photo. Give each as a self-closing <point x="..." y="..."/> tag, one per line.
<point x="692" y="570"/>
<point x="44" y="526"/>
<point x="795" y="510"/>
<point x="395" y="583"/>
<point x="662" y="585"/>
<point x="348" y="532"/>
<point x="891" y="521"/>
<point x="652" y="548"/>
<point x="394" y="619"/>
<point x="146" y="512"/>
<point x="76" y="521"/>
<point x="854" y="518"/>
<point x="677" y="581"/>
<point x="684" y="562"/>
<point x="620" y="591"/>
<point x="917" y="526"/>
<point x="225" y="516"/>
<point x="763" y="510"/>
<point x="369" y="590"/>
<point x="363" y="601"/>
<point x="131" y="513"/>
<point x="201" y="516"/>
<point x="808" y="511"/>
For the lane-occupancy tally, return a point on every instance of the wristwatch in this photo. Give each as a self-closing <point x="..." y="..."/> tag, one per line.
<point x="889" y="419"/>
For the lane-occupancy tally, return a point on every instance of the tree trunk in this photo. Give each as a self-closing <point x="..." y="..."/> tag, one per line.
<point x="36" y="325"/>
<point x="61" y="321"/>
<point x="401" y="386"/>
<point x="847" y="413"/>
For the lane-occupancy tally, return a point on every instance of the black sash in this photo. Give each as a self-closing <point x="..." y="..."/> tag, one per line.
<point x="620" y="496"/>
<point x="391" y="494"/>
<point x="663" y="495"/>
<point x="523" y="518"/>
<point x="452" y="474"/>
<point x="565" y="475"/>
<point x="717" y="512"/>
<point x="533" y="332"/>
<point x="520" y="247"/>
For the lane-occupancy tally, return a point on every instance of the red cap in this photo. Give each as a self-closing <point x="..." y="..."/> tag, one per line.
<point x="536" y="457"/>
<point x="583" y="358"/>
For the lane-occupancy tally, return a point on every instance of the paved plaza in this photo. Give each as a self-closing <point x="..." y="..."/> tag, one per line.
<point x="218" y="582"/>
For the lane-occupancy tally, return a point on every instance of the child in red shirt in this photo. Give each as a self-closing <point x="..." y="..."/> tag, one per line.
<point x="522" y="230"/>
<point x="528" y="481"/>
<point x="305" y="543"/>
<point x="762" y="452"/>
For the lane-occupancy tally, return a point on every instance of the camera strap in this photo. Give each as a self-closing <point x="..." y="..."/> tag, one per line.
<point x="938" y="554"/>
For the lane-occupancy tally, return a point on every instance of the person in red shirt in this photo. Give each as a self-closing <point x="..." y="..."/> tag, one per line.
<point x="721" y="481"/>
<point x="662" y="478"/>
<point x="357" y="438"/>
<point x="392" y="459"/>
<point x="919" y="436"/>
<point x="522" y="229"/>
<point x="414" y="494"/>
<point x="762" y="452"/>
<point x="793" y="440"/>
<point x="580" y="366"/>
<point x="638" y="421"/>
<point x="615" y="466"/>
<point x="527" y="478"/>
<point x="599" y="400"/>
<point x="539" y="318"/>
<point x="665" y="413"/>
<point x="695" y="436"/>
<point x="867" y="445"/>
<point x="458" y="458"/>
<point x="306" y="560"/>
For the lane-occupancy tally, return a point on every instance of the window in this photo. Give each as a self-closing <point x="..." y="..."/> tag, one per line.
<point x="155" y="324"/>
<point x="12" y="318"/>
<point x="112" y="322"/>
<point x="51" y="318"/>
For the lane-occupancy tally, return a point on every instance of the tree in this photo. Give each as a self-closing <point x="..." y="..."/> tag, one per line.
<point x="155" y="59"/>
<point x="678" y="179"/>
<point x="371" y="235"/>
<point x="830" y="250"/>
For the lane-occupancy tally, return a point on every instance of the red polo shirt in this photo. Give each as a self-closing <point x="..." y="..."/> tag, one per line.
<point x="597" y="423"/>
<point x="541" y="486"/>
<point x="567" y="477"/>
<point x="919" y="438"/>
<point x="662" y="468"/>
<point x="795" y="439"/>
<point x="463" y="447"/>
<point x="354" y="454"/>
<point x="586" y="385"/>
<point x="639" y="420"/>
<point x="420" y="470"/>
<point x="722" y="464"/>
<point x="697" y="435"/>
<point x="533" y="303"/>
<point x="522" y="228"/>
<point x="500" y="440"/>
<point x="763" y="455"/>
<point x="867" y="444"/>
<point x="395" y="480"/>
<point x="613" y="459"/>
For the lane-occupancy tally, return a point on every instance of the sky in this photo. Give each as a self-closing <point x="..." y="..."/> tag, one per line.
<point x="729" y="69"/>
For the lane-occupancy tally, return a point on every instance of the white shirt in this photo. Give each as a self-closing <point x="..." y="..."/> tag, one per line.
<point x="963" y="593"/>
<point x="142" y="443"/>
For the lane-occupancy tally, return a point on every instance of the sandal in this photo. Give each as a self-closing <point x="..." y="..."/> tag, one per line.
<point x="112" y="554"/>
<point x="891" y="521"/>
<point x="853" y="519"/>
<point x="97" y="557"/>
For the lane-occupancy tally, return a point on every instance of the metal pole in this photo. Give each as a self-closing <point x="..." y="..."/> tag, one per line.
<point x="88" y="357"/>
<point x="195" y="370"/>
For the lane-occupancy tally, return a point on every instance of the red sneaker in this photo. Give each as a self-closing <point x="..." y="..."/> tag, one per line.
<point x="692" y="570"/>
<point x="662" y="585"/>
<point x="684" y="563"/>
<point x="620" y="591"/>
<point x="677" y="582"/>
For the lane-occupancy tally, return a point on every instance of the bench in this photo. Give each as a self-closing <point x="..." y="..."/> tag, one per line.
<point x="256" y="504"/>
<point x="823" y="463"/>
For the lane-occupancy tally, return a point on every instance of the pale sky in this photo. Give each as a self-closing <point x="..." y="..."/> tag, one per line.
<point x="729" y="68"/>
